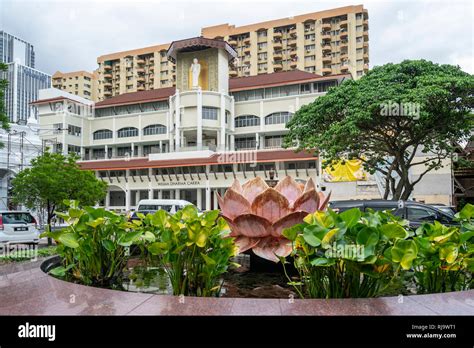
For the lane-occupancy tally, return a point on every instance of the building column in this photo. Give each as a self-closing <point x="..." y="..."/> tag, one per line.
<point x="222" y="115"/>
<point x="257" y="139"/>
<point x="132" y="145"/>
<point x="107" y="199"/>
<point x="160" y="194"/>
<point x="232" y="142"/>
<point x="199" y="198"/>
<point x="161" y="146"/>
<point x="127" y="198"/>
<point x="177" y="132"/>
<point x="106" y="149"/>
<point x="216" y="206"/>
<point x="199" y="119"/>
<point x="208" y="190"/>
<point x="176" y="194"/>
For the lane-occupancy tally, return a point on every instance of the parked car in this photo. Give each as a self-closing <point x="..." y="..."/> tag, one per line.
<point x="150" y="206"/>
<point x="18" y="227"/>
<point x="450" y="210"/>
<point x="416" y="213"/>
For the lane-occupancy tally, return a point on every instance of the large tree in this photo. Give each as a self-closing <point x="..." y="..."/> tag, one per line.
<point x="53" y="178"/>
<point x="388" y="118"/>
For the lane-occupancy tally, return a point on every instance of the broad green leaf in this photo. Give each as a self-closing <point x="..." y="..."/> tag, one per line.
<point x="368" y="236"/>
<point x="448" y="253"/>
<point x="201" y="239"/>
<point x="108" y="245"/>
<point x="322" y="262"/>
<point x="311" y="239"/>
<point x="350" y="217"/>
<point x="467" y="212"/>
<point x="157" y="248"/>
<point x="393" y="231"/>
<point x="96" y="222"/>
<point x="466" y="236"/>
<point x="329" y="237"/>
<point x="404" y="252"/>
<point x="209" y="261"/>
<point x="129" y="238"/>
<point x="69" y="240"/>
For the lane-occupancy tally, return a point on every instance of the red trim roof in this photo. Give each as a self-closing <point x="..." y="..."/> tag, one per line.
<point x="141" y="163"/>
<point x="50" y="100"/>
<point x="235" y="84"/>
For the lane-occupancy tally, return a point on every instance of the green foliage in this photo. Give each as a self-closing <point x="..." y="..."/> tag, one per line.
<point x="94" y="246"/>
<point x="193" y="248"/>
<point x="54" y="178"/>
<point x="349" y="122"/>
<point x="351" y="254"/>
<point x="3" y="85"/>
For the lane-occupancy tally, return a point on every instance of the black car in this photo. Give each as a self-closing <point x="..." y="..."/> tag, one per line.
<point x="416" y="213"/>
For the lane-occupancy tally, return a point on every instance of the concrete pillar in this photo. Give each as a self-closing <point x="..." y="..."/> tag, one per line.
<point x="177" y="109"/>
<point x="257" y="139"/>
<point x="161" y="146"/>
<point x="208" y="191"/>
<point x="222" y="128"/>
<point x="127" y="198"/>
<point x="107" y="199"/>
<point x="199" y="198"/>
<point x="216" y="206"/>
<point x="199" y="119"/>
<point x="160" y="194"/>
<point x="132" y="145"/>
<point x="232" y="142"/>
<point x="176" y="194"/>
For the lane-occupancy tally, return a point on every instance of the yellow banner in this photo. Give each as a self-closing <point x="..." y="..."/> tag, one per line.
<point x="345" y="171"/>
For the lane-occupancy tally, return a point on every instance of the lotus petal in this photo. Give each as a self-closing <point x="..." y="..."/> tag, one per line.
<point x="245" y="243"/>
<point x="270" y="248"/>
<point x="310" y="185"/>
<point x="236" y="186"/>
<point x="251" y="225"/>
<point x="289" y="188"/>
<point x="233" y="204"/>
<point x="323" y="200"/>
<point x="288" y="221"/>
<point x="307" y="202"/>
<point x="253" y="188"/>
<point x="271" y="204"/>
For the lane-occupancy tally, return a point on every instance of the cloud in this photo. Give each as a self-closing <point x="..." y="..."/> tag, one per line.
<point x="70" y="35"/>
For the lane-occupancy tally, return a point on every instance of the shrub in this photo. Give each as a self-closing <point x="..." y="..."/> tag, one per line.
<point x="94" y="246"/>
<point x="351" y="254"/>
<point x="446" y="259"/>
<point x="194" y="249"/>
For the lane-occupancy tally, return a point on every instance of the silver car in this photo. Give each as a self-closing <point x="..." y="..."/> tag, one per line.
<point x="18" y="227"/>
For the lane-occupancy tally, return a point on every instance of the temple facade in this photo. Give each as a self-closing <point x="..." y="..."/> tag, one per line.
<point x="191" y="141"/>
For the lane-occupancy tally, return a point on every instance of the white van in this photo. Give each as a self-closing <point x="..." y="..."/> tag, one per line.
<point x="18" y="227"/>
<point x="169" y="205"/>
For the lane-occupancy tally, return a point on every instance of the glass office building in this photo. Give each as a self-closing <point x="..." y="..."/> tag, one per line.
<point x="14" y="49"/>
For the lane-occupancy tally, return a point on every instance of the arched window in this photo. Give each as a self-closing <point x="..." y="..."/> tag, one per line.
<point x="278" y="118"/>
<point x="247" y="121"/>
<point x="103" y="134"/>
<point x="154" y="129"/>
<point x="127" y="132"/>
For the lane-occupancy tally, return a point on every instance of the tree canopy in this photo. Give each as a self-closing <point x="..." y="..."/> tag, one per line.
<point x="54" y="178"/>
<point x="3" y="85"/>
<point x="395" y="117"/>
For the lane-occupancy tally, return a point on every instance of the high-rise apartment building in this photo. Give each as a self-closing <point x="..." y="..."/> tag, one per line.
<point x="328" y="42"/>
<point x="135" y="70"/>
<point x="14" y="49"/>
<point x="80" y="83"/>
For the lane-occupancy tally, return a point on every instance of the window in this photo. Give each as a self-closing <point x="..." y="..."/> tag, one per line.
<point x="262" y="46"/>
<point x="305" y="88"/>
<point x="323" y="86"/>
<point x="309" y="47"/>
<point x="273" y="141"/>
<point x="74" y="149"/>
<point x="248" y="95"/>
<point x="278" y="118"/>
<point x="309" y="37"/>
<point x="127" y="132"/>
<point x="154" y="129"/>
<point x="262" y="33"/>
<point x="245" y="143"/>
<point x="247" y="121"/>
<point x="73" y="130"/>
<point x="209" y="113"/>
<point x="57" y="128"/>
<point x="420" y="214"/>
<point x="124" y="151"/>
<point x="102" y="134"/>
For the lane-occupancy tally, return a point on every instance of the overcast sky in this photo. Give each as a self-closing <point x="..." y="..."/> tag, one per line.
<point x="70" y="35"/>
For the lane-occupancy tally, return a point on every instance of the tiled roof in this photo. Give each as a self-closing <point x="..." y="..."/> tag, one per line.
<point x="138" y="97"/>
<point x="139" y="163"/>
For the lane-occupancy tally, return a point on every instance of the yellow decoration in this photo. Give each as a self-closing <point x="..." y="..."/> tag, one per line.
<point x="349" y="171"/>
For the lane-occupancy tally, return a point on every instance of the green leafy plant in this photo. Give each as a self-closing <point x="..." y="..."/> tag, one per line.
<point x="94" y="246"/>
<point x="446" y="259"/>
<point x="195" y="250"/>
<point x="351" y="254"/>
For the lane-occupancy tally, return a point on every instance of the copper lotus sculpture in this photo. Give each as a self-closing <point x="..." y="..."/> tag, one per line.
<point x="257" y="213"/>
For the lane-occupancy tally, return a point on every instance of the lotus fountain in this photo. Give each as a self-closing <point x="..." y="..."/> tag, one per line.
<point x="257" y="213"/>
